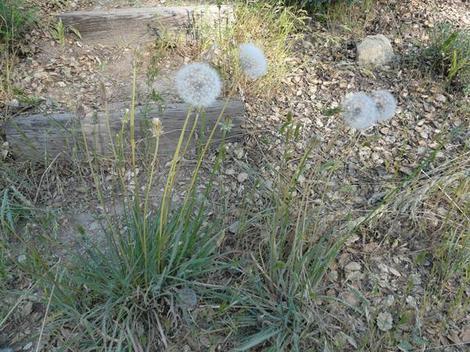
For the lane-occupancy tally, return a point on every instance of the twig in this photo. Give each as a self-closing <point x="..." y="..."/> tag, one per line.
<point x="47" y="310"/>
<point x="42" y="178"/>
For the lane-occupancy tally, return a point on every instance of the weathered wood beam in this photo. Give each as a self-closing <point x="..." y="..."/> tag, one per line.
<point x="35" y="137"/>
<point x="140" y="25"/>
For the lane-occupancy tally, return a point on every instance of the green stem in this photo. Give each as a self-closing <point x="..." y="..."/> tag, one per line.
<point x="168" y="187"/>
<point x="147" y="193"/>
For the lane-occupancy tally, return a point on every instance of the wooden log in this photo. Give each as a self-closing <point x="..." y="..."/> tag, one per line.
<point x="39" y="137"/>
<point x="140" y="25"/>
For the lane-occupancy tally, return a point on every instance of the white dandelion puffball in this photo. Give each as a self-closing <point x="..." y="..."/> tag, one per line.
<point x="386" y="104"/>
<point x="359" y="110"/>
<point x="198" y="84"/>
<point x="253" y="61"/>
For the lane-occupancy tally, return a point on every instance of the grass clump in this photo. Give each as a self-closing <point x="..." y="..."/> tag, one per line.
<point x="349" y="15"/>
<point x="15" y="20"/>
<point x="434" y="204"/>
<point x="448" y="55"/>
<point x="272" y="28"/>
<point x="284" y="288"/>
<point x="19" y="200"/>
<point x="283" y="282"/>
<point x="131" y="288"/>
<point x="137" y="286"/>
<point x="451" y="255"/>
<point x="132" y="291"/>
<point x="313" y="6"/>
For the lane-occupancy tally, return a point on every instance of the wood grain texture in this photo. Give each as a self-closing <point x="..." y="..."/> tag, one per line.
<point x="33" y="137"/>
<point x="140" y="25"/>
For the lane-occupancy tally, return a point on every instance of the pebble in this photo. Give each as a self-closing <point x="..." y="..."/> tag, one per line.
<point x="354" y="276"/>
<point x="385" y="321"/>
<point x="350" y="298"/>
<point x="242" y="177"/>
<point x="411" y="301"/>
<point x="441" y="98"/>
<point x="353" y="266"/>
<point x="389" y="300"/>
<point x="14" y="103"/>
<point x="333" y="275"/>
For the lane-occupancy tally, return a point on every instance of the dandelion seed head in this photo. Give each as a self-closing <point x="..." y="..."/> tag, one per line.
<point x="253" y="61"/>
<point x="157" y="128"/>
<point x="198" y="84"/>
<point x="386" y="104"/>
<point x="359" y="110"/>
<point x="156" y="122"/>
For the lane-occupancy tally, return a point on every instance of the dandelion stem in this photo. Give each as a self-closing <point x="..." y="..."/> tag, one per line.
<point x="132" y="120"/>
<point x="169" y="186"/>
<point x="206" y="147"/>
<point x="147" y="193"/>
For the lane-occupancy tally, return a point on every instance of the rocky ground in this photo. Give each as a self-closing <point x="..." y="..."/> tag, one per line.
<point x="385" y="273"/>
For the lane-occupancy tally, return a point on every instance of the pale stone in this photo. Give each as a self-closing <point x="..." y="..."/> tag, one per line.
<point x="352" y="266"/>
<point x="385" y="321"/>
<point x="374" y="50"/>
<point x="242" y="177"/>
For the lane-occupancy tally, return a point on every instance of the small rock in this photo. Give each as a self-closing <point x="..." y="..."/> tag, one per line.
<point x="441" y="98"/>
<point x="354" y="276"/>
<point x="352" y="266"/>
<point x="333" y="275"/>
<point x="374" y="50"/>
<point x="187" y="298"/>
<point x="385" y="321"/>
<point x="411" y="301"/>
<point x="389" y="300"/>
<point x="21" y="258"/>
<point x="242" y="177"/>
<point x="350" y="298"/>
<point x="14" y="103"/>
<point x="234" y="227"/>
<point x="465" y="335"/>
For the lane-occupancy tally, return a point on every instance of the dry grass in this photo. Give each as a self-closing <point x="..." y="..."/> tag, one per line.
<point x="273" y="28"/>
<point x="349" y="17"/>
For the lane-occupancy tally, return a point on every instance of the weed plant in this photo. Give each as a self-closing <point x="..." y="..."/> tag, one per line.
<point x="284" y="283"/>
<point x="271" y="27"/>
<point x="448" y="55"/>
<point x="129" y="289"/>
<point x="15" y="21"/>
<point x="349" y="15"/>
